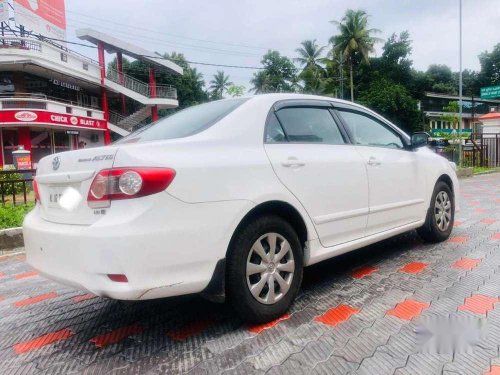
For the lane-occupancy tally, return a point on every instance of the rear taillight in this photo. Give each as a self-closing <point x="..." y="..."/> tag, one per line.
<point x="36" y="191"/>
<point x="125" y="183"/>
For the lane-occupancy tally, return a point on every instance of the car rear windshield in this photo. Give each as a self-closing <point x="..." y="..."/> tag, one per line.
<point x="184" y="123"/>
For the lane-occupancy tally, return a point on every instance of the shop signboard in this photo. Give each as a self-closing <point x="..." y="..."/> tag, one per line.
<point x="490" y="92"/>
<point x="46" y="17"/>
<point x="50" y="118"/>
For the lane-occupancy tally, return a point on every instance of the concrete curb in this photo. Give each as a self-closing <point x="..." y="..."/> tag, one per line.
<point x="465" y="172"/>
<point x="11" y="240"/>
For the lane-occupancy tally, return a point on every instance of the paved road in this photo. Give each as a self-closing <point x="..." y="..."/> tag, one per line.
<point x="367" y="312"/>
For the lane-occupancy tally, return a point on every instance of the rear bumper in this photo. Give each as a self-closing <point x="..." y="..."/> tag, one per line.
<point x="166" y="251"/>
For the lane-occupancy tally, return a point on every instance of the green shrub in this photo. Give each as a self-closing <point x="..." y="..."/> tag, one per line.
<point x="12" y="216"/>
<point x="6" y="188"/>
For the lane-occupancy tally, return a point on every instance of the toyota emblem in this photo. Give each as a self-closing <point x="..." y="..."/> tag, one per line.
<point x="56" y="163"/>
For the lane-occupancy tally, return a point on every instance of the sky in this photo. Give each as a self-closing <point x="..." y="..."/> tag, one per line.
<point x="239" y="32"/>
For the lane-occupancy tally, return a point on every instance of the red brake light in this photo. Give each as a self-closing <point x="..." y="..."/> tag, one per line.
<point x="125" y="183"/>
<point x="36" y="191"/>
<point x="118" y="278"/>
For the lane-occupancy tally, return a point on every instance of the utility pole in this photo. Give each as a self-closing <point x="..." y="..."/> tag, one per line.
<point x="460" y="87"/>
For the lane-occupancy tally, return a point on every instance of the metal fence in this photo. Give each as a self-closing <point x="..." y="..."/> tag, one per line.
<point x="15" y="186"/>
<point x="479" y="150"/>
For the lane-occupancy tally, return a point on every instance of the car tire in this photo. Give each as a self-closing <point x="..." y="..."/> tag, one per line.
<point x="439" y="220"/>
<point x="261" y="287"/>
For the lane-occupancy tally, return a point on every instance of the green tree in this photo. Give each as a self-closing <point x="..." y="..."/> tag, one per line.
<point x="441" y="79"/>
<point x="312" y="73"/>
<point x="490" y="67"/>
<point x="236" y="90"/>
<point x="260" y="82"/>
<point x="309" y="55"/>
<point x="393" y="101"/>
<point x="355" y="41"/>
<point x="219" y="84"/>
<point x="278" y="74"/>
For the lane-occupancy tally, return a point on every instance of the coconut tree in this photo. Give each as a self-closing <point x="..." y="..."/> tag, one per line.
<point x="260" y="82"/>
<point x="219" y="84"/>
<point x="309" y="54"/>
<point x="354" y="41"/>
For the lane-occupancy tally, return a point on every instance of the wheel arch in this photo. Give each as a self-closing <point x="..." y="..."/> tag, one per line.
<point x="279" y="208"/>
<point x="447" y="180"/>
<point x="216" y="289"/>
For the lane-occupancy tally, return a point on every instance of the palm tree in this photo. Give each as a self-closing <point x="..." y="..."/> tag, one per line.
<point x="260" y="82"/>
<point x="354" y="40"/>
<point x="309" y="54"/>
<point x="219" y="84"/>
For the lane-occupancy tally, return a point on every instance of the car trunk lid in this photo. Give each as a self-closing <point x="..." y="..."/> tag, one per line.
<point x="64" y="181"/>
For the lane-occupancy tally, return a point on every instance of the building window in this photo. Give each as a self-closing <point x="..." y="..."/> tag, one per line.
<point x="69" y="110"/>
<point x="64" y="57"/>
<point x="85" y="66"/>
<point x="89" y="113"/>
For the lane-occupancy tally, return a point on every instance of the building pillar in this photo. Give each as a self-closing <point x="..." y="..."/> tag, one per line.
<point x="152" y="93"/>
<point x="24" y="136"/>
<point x="119" y="66"/>
<point x="1" y="148"/>
<point x="104" y="94"/>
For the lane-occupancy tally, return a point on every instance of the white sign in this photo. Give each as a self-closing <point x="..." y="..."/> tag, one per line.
<point x="4" y="11"/>
<point x="26" y="116"/>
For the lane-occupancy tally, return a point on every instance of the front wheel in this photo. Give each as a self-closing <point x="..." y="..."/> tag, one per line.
<point x="440" y="216"/>
<point x="264" y="269"/>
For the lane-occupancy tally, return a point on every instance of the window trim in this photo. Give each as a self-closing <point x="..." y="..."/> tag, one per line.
<point x="305" y="103"/>
<point x="397" y="132"/>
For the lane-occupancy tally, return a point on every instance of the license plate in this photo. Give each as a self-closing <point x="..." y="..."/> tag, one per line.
<point x="55" y="194"/>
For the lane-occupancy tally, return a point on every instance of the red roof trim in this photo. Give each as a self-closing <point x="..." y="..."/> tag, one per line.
<point x="490" y="115"/>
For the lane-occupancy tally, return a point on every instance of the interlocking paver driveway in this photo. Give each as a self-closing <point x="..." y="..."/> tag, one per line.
<point x="360" y="313"/>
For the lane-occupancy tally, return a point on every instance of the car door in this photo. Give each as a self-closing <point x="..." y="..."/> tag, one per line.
<point x="396" y="191"/>
<point x="313" y="158"/>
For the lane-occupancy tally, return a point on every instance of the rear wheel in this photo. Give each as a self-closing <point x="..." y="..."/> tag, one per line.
<point x="440" y="216"/>
<point x="264" y="269"/>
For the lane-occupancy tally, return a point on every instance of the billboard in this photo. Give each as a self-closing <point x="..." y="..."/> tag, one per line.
<point x="46" y="17"/>
<point x="4" y="11"/>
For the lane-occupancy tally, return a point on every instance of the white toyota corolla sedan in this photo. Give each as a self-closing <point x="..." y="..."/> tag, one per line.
<point x="232" y="199"/>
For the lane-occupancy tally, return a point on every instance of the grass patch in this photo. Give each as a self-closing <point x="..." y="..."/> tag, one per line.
<point x="481" y="170"/>
<point x="13" y="216"/>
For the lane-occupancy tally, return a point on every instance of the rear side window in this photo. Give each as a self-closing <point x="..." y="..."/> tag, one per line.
<point x="274" y="131"/>
<point x="184" y="123"/>
<point x="309" y="125"/>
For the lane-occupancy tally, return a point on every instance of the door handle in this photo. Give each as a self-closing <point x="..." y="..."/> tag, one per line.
<point x="292" y="162"/>
<point x="373" y="161"/>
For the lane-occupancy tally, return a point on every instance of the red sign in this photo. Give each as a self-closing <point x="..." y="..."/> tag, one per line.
<point x="24" y="162"/>
<point x="50" y="118"/>
<point x="52" y="11"/>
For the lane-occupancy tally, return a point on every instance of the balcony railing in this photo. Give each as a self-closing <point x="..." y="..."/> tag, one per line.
<point x="42" y="102"/>
<point x="20" y="43"/>
<point x="36" y="101"/>
<point x="142" y="88"/>
<point x="11" y="39"/>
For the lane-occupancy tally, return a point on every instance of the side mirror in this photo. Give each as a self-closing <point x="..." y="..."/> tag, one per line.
<point x="419" y="139"/>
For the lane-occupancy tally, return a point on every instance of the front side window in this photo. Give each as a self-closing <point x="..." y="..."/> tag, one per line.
<point x="184" y="123"/>
<point x="367" y="131"/>
<point x="309" y="125"/>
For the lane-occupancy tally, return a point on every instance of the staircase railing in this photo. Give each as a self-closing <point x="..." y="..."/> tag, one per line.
<point x="142" y="88"/>
<point x="128" y="82"/>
